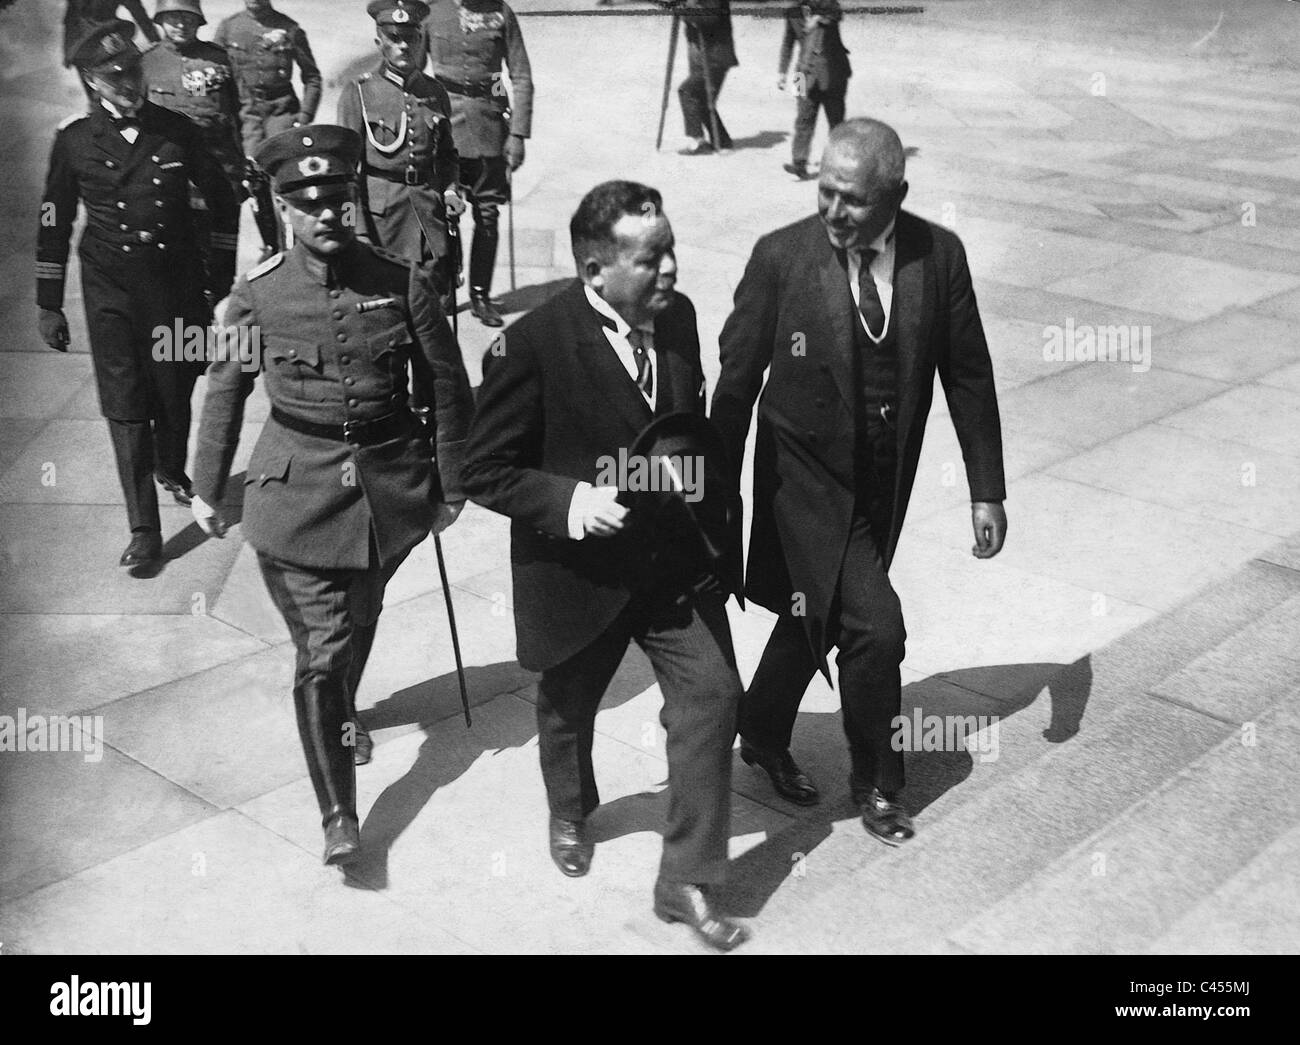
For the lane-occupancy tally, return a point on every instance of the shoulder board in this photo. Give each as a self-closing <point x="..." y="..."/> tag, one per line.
<point x="67" y="122"/>
<point x="364" y="77"/>
<point x="263" y="267"/>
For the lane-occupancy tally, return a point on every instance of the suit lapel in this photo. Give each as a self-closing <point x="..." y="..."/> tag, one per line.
<point x="908" y="308"/>
<point x="110" y="142"/>
<point x="608" y="381"/>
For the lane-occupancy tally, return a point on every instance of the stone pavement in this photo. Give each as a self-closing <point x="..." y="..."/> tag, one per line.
<point x="1107" y="165"/>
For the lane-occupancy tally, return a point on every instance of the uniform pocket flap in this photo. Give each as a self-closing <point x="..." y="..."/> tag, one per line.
<point x="292" y="350"/>
<point x="388" y="340"/>
<point x="275" y="469"/>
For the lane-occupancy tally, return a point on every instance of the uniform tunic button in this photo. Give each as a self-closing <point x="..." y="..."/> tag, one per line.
<point x="126" y="248"/>
<point x="122" y="227"/>
<point x="334" y="293"/>
<point x="353" y="402"/>
<point x="338" y="313"/>
<point x="340" y="337"/>
<point x="121" y="204"/>
<point x="349" y="380"/>
<point x="110" y="165"/>
<point x="345" y="360"/>
<point x="158" y="203"/>
<point x="293" y="352"/>
<point x="392" y="342"/>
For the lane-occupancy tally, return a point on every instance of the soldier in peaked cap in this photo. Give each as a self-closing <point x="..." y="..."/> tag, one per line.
<point x="129" y="163"/>
<point x="342" y="483"/>
<point x="409" y="166"/>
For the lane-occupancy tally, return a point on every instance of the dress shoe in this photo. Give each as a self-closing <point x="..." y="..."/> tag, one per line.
<point x="571" y="853"/>
<point x="484" y="311"/>
<point x="700" y="148"/>
<point x="178" y="486"/>
<point x="799" y="170"/>
<point x="882" y="815"/>
<point x="145" y="547"/>
<point x="675" y="902"/>
<point x="790" y="781"/>
<point x="363" y="747"/>
<point x="342" y="838"/>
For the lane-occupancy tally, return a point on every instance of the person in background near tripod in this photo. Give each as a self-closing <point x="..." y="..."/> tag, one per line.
<point x="343" y="482"/>
<point x="821" y="75"/>
<point x="710" y="53"/>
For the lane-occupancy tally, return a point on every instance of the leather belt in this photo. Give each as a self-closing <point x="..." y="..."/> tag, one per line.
<point x="269" y="94"/>
<point x="354" y="433"/>
<point x="409" y="176"/>
<point x="469" y="90"/>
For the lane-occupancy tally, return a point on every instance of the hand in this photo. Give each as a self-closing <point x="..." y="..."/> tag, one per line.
<point x="208" y="518"/>
<point x="53" y="325"/>
<point x="990" y="521"/>
<point x="445" y="514"/>
<point x="514" y="152"/>
<point x="454" y="204"/>
<point x="602" y="515"/>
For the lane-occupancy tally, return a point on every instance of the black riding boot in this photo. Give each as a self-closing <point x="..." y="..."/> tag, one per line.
<point x="363" y="639"/>
<point x="321" y="704"/>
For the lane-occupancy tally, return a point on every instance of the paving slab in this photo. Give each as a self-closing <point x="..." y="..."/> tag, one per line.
<point x="1263" y="417"/>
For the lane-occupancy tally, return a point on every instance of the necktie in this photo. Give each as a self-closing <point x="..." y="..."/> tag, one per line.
<point x="873" y="312"/>
<point x="645" y="378"/>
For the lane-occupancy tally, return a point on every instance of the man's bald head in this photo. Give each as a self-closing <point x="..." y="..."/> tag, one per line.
<point x="862" y="182"/>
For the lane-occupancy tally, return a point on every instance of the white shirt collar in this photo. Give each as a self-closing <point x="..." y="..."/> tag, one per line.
<point x="621" y="325"/>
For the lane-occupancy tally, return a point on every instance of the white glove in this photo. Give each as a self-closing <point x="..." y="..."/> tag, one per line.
<point x="208" y="518"/>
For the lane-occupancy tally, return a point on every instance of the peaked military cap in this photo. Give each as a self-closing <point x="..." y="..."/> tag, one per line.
<point x="398" y="12"/>
<point x="108" y="47"/>
<point x="312" y="162"/>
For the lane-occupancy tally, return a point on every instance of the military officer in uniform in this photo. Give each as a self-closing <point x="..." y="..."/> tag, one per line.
<point x="343" y="482"/>
<point x="409" y="165"/>
<point x="470" y="42"/>
<point x="130" y="164"/>
<point x="263" y="46"/>
<point x="196" y="78"/>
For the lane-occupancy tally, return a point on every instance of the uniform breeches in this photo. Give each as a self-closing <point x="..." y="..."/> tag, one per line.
<point x="488" y="182"/>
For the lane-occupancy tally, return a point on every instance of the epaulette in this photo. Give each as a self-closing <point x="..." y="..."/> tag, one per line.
<point x="263" y="267"/>
<point x="68" y="121"/>
<point x="364" y="77"/>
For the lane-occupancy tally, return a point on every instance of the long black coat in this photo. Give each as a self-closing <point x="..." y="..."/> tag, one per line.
<point x="555" y="400"/>
<point x="795" y="313"/>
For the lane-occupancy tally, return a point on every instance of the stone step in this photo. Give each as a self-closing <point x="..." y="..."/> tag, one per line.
<point x="1137" y="877"/>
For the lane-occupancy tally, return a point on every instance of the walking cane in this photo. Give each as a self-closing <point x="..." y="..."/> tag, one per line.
<point x="510" y="223"/>
<point x="451" y="620"/>
<point x="668" y="78"/>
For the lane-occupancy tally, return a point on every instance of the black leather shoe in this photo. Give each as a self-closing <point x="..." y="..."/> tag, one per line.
<point x="571" y="853"/>
<point x="484" y="311"/>
<point x="145" y="547"/>
<point x="790" y="781"/>
<point x="883" y="817"/>
<point x="799" y="170"/>
<point x="687" y="903"/>
<point x="178" y="486"/>
<point x="342" y="838"/>
<point x="363" y="747"/>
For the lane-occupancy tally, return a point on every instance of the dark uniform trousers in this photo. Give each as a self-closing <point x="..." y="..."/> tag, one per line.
<point x="141" y="269"/>
<point x="487" y="181"/>
<point x="865" y="622"/>
<point x="690" y="648"/>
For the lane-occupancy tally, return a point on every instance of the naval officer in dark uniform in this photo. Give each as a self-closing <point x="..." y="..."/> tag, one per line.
<point x="409" y="167"/>
<point x="343" y="482"/>
<point x="130" y="163"/>
<point x="470" y="43"/>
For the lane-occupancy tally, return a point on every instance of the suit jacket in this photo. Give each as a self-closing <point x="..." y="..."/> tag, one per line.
<point x="315" y="502"/>
<point x="553" y="402"/>
<point x="823" y="59"/>
<point x="794" y="312"/>
<point x="708" y="33"/>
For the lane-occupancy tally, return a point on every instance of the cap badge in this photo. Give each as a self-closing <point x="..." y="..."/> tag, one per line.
<point x="312" y="166"/>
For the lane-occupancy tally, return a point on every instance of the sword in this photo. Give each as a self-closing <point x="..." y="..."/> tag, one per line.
<point x="454" y="259"/>
<point x="510" y="222"/>
<point x="451" y="620"/>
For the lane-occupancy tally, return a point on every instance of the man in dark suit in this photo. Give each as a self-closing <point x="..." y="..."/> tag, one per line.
<point x="710" y="52"/>
<point x="821" y="75"/>
<point x="341" y="485"/>
<point x="130" y="164"/>
<point x="853" y="310"/>
<point x="573" y="384"/>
